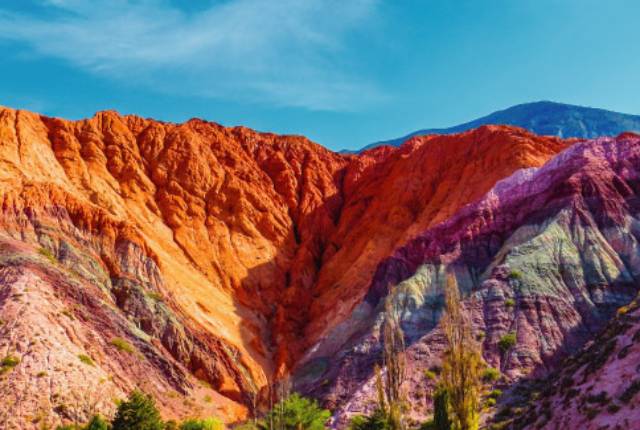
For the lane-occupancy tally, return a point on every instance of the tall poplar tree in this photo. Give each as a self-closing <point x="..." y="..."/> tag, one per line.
<point x="462" y="365"/>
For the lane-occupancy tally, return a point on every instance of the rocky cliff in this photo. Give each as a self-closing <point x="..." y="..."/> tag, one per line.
<point x="201" y="263"/>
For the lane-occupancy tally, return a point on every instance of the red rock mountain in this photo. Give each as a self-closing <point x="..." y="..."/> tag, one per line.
<point x="201" y="262"/>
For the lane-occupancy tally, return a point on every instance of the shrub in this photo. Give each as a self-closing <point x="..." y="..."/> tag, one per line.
<point x="376" y="421"/>
<point x="491" y="402"/>
<point x="430" y="375"/>
<point x="206" y="424"/>
<point x="205" y="384"/>
<point x="490" y="375"/>
<point x="97" y="423"/>
<point x="86" y="359"/>
<point x="8" y="363"/>
<point x="139" y="412"/>
<point x="154" y="296"/>
<point x="297" y="412"/>
<point x="48" y="255"/>
<point x="494" y="394"/>
<point x="515" y="274"/>
<point x="122" y="345"/>
<point x="507" y="342"/>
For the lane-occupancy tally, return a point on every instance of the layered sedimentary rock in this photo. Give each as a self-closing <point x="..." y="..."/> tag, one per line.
<point x="201" y="263"/>
<point x="548" y="254"/>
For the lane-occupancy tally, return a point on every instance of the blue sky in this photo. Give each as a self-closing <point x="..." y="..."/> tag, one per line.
<point x="344" y="73"/>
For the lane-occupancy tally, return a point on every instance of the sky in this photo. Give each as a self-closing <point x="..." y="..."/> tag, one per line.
<point x="344" y="73"/>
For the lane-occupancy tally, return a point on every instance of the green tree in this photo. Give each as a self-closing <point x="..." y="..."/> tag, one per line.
<point x="97" y="423"/>
<point x="139" y="412"/>
<point x="206" y="424"/>
<point x="171" y="425"/>
<point x="462" y="364"/>
<point x="378" y="420"/>
<point x="296" y="413"/>
<point x="441" y="419"/>
<point x="391" y="400"/>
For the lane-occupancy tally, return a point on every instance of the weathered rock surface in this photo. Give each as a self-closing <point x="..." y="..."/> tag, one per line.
<point x="548" y="254"/>
<point x="224" y="258"/>
<point x="597" y="388"/>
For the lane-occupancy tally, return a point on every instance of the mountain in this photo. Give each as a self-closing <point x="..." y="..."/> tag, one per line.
<point x="203" y="263"/>
<point x="548" y="254"/>
<point x="543" y="118"/>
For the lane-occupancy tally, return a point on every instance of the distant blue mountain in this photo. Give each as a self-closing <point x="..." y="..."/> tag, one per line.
<point x="544" y="118"/>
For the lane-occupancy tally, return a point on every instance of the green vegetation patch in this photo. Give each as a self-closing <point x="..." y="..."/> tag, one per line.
<point x="515" y="274"/>
<point x="494" y="394"/>
<point x="430" y="375"/>
<point x="122" y="345"/>
<point x="205" y="424"/>
<point x="46" y="253"/>
<point x="86" y="359"/>
<point x="8" y="363"/>
<point x="507" y="342"/>
<point x="154" y="296"/>
<point x="490" y="375"/>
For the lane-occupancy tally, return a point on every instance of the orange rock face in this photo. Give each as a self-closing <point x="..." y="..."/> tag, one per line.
<point x="393" y="194"/>
<point x="258" y="244"/>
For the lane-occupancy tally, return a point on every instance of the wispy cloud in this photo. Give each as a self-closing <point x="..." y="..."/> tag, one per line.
<point x="283" y="52"/>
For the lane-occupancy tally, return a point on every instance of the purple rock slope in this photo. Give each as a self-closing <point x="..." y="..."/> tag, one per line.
<point x="548" y="254"/>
